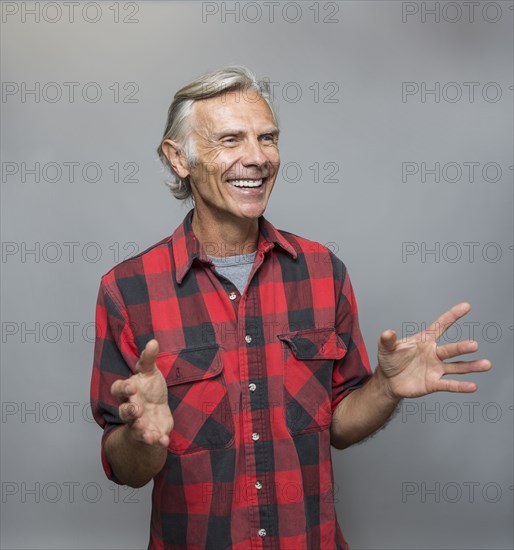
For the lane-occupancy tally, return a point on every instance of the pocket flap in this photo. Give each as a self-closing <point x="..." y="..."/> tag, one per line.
<point x="315" y="343"/>
<point x="190" y="364"/>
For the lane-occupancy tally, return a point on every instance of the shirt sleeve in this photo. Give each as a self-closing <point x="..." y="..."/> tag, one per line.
<point x="353" y="370"/>
<point x="115" y="357"/>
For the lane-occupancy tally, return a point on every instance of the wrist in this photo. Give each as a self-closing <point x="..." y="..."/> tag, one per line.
<point x="385" y="386"/>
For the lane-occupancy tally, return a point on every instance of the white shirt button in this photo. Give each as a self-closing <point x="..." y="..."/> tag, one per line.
<point x="248" y="339"/>
<point x="252" y="387"/>
<point x="262" y="532"/>
<point x="232" y="295"/>
<point x="258" y="485"/>
<point x="255" y="436"/>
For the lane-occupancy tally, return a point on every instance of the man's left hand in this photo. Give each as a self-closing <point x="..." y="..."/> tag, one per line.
<point x="416" y="366"/>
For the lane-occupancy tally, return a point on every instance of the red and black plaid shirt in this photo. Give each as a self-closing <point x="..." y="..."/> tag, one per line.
<point x="253" y="380"/>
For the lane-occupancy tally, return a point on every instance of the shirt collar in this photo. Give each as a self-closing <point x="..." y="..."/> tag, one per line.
<point x="187" y="248"/>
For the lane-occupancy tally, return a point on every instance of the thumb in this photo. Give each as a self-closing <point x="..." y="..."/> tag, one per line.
<point x="387" y="340"/>
<point x="147" y="358"/>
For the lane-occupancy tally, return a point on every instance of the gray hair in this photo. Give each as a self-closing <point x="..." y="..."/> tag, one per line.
<point x="178" y="126"/>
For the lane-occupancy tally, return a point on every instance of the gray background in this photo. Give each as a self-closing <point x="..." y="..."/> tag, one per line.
<point x="440" y="474"/>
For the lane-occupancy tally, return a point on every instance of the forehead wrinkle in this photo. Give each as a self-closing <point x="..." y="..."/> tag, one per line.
<point x="209" y="115"/>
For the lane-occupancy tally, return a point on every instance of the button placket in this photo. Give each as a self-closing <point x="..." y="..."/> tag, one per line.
<point x="247" y="308"/>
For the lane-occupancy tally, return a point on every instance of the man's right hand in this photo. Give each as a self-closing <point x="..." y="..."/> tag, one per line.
<point x="144" y="397"/>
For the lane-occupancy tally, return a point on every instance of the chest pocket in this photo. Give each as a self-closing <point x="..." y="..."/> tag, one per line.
<point x="198" y="399"/>
<point x="308" y="360"/>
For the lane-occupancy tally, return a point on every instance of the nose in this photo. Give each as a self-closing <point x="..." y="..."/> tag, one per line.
<point x="253" y="154"/>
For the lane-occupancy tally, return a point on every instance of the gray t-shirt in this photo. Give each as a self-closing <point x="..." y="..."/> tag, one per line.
<point x="235" y="268"/>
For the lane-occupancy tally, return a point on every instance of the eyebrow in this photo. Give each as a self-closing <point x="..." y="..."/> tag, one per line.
<point x="233" y="132"/>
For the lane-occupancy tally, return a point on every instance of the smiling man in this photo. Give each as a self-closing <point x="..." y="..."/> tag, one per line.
<point x="229" y="357"/>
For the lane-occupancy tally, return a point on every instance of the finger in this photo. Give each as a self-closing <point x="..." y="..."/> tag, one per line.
<point x="164" y="441"/>
<point x="446" y="320"/>
<point x="456" y="386"/>
<point x="122" y="389"/>
<point x="151" y="437"/>
<point x="458" y="348"/>
<point x="387" y="340"/>
<point x="129" y="412"/>
<point x="465" y="367"/>
<point x="146" y="362"/>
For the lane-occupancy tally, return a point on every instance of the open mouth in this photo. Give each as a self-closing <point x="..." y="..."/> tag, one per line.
<point x="247" y="183"/>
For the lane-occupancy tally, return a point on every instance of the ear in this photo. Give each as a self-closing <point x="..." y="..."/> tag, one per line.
<point x="176" y="157"/>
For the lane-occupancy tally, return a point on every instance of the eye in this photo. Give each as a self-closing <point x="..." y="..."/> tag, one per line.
<point x="270" y="138"/>
<point x="231" y="140"/>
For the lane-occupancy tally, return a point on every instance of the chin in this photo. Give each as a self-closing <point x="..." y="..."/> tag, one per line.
<point x="253" y="213"/>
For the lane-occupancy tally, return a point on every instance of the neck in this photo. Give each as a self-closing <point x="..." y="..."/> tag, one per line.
<point x="225" y="237"/>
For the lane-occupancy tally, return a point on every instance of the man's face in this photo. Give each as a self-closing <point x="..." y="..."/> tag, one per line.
<point x="237" y="155"/>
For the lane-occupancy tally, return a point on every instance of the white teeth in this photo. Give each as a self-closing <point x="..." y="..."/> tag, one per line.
<point x="246" y="183"/>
